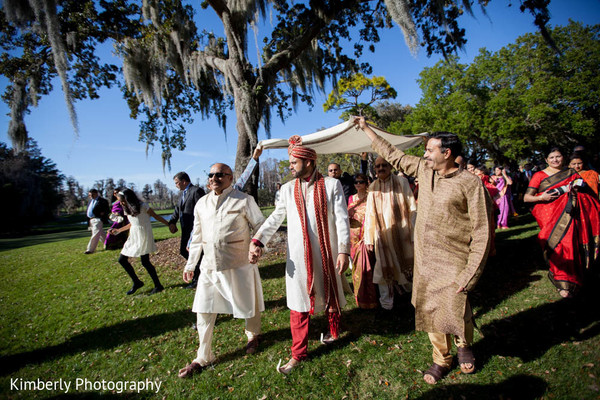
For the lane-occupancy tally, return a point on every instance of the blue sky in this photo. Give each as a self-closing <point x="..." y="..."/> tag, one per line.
<point x="107" y="145"/>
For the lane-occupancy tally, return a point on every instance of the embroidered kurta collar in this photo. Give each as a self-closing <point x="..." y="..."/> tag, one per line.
<point x="447" y="176"/>
<point x="224" y="192"/>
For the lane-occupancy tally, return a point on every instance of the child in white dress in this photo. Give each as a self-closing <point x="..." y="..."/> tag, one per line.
<point x="141" y="239"/>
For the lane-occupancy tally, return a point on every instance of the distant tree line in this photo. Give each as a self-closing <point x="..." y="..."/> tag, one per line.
<point x="30" y="187"/>
<point x="34" y="191"/>
<point x="75" y="196"/>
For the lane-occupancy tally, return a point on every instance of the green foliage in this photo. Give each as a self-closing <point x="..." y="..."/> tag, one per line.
<point x="27" y="58"/>
<point x="30" y="187"/>
<point x="510" y="104"/>
<point x="174" y="70"/>
<point x="357" y="94"/>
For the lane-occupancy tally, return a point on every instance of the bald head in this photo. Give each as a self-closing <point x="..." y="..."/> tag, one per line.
<point x="222" y="167"/>
<point x="220" y="177"/>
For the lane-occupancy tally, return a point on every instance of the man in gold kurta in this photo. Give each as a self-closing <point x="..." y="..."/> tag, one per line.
<point x="452" y="241"/>
<point x="388" y="230"/>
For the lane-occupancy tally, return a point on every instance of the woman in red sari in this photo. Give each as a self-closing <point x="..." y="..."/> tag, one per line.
<point x="567" y="214"/>
<point x="362" y="259"/>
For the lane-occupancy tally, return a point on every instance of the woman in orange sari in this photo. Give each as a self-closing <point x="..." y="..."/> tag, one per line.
<point x="567" y="213"/>
<point x="362" y="259"/>
<point x="577" y="162"/>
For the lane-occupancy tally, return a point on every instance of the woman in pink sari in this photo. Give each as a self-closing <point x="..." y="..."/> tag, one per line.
<point x="567" y="213"/>
<point x="504" y="201"/>
<point x="118" y="219"/>
<point x="362" y="259"/>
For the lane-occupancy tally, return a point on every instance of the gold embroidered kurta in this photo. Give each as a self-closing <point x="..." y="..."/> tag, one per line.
<point x="452" y="240"/>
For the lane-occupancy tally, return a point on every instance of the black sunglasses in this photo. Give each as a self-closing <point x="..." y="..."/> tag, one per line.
<point x="217" y="174"/>
<point x="359" y="182"/>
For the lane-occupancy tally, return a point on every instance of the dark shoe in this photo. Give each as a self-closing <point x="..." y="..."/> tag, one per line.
<point x="88" y="252"/>
<point x="466" y="360"/>
<point x="192" y="285"/>
<point x="252" y="345"/>
<point x="189" y="370"/>
<point x="135" y="287"/>
<point x="436" y="372"/>
<point x="157" y="289"/>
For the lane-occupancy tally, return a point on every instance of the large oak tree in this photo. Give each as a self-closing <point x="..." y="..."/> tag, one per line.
<point x="172" y="69"/>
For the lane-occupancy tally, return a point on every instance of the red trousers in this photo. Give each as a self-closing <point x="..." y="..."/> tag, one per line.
<point x="299" y="327"/>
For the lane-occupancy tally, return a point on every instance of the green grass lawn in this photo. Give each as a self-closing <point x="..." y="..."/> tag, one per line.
<point x="65" y="316"/>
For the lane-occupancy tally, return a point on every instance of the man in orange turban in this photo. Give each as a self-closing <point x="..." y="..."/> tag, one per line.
<point x="318" y="247"/>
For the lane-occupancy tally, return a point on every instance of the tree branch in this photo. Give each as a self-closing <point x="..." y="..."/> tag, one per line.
<point x="322" y="18"/>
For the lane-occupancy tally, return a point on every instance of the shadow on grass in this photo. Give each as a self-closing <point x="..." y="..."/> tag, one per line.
<point x="273" y="271"/>
<point x="510" y="271"/>
<point x="275" y="305"/>
<point x="32" y="240"/>
<point x="103" y="338"/>
<point x="516" y="387"/>
<point x="399" y="321"/>
<point x="267" y="339"/>
<point x="531" y="333"/>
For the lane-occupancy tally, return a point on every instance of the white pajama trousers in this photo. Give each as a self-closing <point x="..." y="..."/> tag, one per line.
<point x="206" y="324"/>
<point x="97" y="234"/>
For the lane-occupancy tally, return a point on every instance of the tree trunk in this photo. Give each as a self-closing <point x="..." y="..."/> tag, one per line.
<point x="248" y="112"/>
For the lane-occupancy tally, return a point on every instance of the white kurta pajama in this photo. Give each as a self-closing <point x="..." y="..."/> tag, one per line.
<point x="228" y="284"/>
<point x="298" y="298"/>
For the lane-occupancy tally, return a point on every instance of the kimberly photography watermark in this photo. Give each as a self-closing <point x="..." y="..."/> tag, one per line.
<point x="85" y="385"/>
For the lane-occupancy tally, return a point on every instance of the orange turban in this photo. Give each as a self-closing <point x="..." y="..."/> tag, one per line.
<point x="297" y="150"/>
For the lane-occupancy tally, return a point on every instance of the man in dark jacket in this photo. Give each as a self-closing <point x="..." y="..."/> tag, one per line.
<point x="97" y="213"/>
<point x="184" y="213"/>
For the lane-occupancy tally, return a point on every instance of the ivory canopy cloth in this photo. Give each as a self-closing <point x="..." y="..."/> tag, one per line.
<point x="343" y="138"/>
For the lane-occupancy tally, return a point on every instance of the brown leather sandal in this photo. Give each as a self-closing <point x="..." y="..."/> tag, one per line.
<point x="465" y="356"/>
<point x="252" y="345"/>
<point x="190" y="369"/>
<point x="437" y="372"/>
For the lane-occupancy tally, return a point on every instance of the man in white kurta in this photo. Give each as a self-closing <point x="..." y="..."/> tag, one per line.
<point x="300" y="300"/>
<point x="228" y="284"/>
<point x="388" y="230"/>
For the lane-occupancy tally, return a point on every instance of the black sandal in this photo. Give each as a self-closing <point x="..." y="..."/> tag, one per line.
<point x="437" y="372"/>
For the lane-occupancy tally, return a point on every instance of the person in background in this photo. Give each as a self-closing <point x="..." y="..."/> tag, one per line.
<point x="389" y="223"/>
<point x="578" y="163"/>
<point x="567" y="212"/>
<point x="363" y="260"/>
<point x="140" y="242"/>
<point x="335" y="171"/>
<point x="277" y="193"/>
<point x="461" y="162"/>
<point x="119" y="219"/>
<point x="471" y="167"/>
<point x="482" y="172"/>
<point x="97" y="213"/>
<point x="184" y="213"/>
<point x="504" y="200"/>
